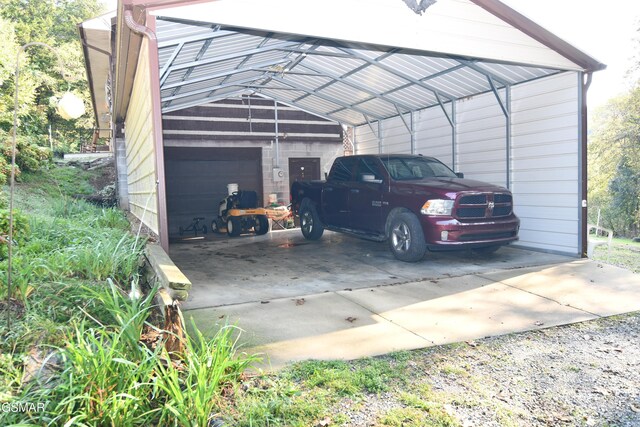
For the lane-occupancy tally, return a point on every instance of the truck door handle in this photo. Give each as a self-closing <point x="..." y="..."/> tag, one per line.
<point x="355" y="190"/>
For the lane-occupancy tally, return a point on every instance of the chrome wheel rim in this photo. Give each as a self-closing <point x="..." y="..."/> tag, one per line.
<point x="401" y="238"/>
<point x="306" y="222"/>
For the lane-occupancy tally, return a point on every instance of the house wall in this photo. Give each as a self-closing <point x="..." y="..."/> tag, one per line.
<point x="252" y="123"/>
<point x="541" y="160"/>
<point x="239" y="124"/>
<point x="140" y="152"/>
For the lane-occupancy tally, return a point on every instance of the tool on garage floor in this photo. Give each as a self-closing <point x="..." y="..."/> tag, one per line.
<point x="194" y="226"/>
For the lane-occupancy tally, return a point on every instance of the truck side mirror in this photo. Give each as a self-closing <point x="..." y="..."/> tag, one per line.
<point x="367" y="177"/>
<point x="459" y="174"/>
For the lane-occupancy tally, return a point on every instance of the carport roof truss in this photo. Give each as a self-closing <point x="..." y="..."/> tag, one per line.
<point x="344" y="82"/>
<point x="352" y="61"/>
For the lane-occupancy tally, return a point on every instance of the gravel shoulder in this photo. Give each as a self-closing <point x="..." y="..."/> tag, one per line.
<point x="585" y="374"/>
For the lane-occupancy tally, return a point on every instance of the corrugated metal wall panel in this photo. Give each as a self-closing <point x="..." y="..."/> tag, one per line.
<point x="141" y="165"/>
<point x="434" y="135"/>
<point x="481" y="148"/>
<point x="396" y="136"/>
<point x="366" y="140"/>
<point x="544" y="152"/>
<point x="545" y="146"/>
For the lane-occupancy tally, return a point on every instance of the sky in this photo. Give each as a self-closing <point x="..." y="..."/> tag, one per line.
<point x="607" y="31"/>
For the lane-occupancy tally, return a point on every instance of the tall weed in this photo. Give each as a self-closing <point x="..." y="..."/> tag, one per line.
<point x="194" y="388"/>
<point x="102" y="384"/>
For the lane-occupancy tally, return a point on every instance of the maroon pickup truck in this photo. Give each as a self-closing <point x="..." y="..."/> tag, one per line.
<point x="414" y="202"/>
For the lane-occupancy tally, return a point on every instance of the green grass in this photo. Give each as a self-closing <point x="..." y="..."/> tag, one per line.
<point x="71" y="274"/>
<point x="623" y="253"/>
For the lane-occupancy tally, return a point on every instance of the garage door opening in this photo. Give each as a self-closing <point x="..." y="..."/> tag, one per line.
<point x="197" y="180"/>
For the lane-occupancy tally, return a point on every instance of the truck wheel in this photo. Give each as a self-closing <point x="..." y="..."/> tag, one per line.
<point x="234" y="226"/>
<point x="214" y="226"/>
<point x="262" y="225"/>
<point x="406" y="239"/>
<point x="310" y="224"/>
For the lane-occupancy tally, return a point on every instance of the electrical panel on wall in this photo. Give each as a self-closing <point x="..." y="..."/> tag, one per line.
<point x="278" y="174"/>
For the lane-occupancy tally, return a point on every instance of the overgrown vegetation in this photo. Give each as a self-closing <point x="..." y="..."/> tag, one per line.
<point x="78" y="342"/>
<point x="44" y="76"/>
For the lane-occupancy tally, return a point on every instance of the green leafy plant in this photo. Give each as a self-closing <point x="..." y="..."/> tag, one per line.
<point x="194" y="387"/>
<point x="20" y="229"/>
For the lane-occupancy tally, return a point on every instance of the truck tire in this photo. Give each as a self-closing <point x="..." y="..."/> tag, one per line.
<point x="406" y="239"/>
<point x="262" y="225"/>
<point x="214" y="226"/>
<point x="234" y="226"/>
<point x="310" y="224"/>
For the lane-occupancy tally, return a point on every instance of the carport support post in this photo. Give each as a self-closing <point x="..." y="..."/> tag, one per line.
<point x="507" y="90"/>
<point x="453" y="122"/>
<point x="505" y="106"/>
<point x="413" y="132"/>
<point x="354" y="140"/>
<point x="277" y="153"/>
<point x="454" y="135"/>
<point x="584" y="81"/>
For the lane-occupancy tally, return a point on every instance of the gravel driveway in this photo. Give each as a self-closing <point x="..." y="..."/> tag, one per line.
<point x="586" y="374"/>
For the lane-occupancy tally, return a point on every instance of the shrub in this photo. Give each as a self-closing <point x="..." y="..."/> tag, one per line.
<point x="29" y="155"/>
<point x="20" y="229"/>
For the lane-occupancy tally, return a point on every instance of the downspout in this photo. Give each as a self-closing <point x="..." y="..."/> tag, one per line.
<point x="277" y="153"/>
<point x="584" y="176"/>
<point x="154" y="67"/>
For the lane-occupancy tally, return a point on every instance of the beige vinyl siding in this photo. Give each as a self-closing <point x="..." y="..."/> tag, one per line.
<point x="141" y="164"/>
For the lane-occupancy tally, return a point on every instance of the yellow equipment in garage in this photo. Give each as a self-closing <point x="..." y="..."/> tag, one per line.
<point x="239" y="213"/>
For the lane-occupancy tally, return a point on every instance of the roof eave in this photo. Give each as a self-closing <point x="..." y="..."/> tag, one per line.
<point x="540" y="34"/>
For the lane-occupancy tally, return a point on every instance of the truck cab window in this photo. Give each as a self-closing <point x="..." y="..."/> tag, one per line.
<point x="342" y="169"/>
<point x="367" y="166"/>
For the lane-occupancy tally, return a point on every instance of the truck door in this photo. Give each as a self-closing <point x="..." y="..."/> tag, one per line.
<point x="335" y="193"/>
<point x="366" y="201"/>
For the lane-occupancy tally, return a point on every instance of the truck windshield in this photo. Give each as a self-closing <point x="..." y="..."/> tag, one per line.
<point x="415" y="168"/>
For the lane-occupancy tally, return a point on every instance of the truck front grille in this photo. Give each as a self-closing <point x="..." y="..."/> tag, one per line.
<point x="484" y="205"/>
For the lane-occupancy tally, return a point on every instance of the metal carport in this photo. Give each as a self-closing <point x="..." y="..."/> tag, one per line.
<point x="385" y="71"/>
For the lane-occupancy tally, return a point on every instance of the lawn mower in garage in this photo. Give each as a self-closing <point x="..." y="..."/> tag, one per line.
<point x="239" y="213"/>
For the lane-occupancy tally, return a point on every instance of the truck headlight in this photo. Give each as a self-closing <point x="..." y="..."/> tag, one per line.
<point x="437" y="207"/>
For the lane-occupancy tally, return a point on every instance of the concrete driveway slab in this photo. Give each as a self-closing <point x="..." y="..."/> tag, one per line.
<point x="323" y="326"/>
<point x="345" y="298"/>
<point x="593" y="287"/>
<point x="283" y="264"/>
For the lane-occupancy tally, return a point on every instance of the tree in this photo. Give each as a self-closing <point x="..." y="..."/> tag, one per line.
<point x="614" y="159"/>
<point x="42" y="75"/>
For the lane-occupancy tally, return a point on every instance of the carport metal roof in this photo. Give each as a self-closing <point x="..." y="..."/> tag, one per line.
<point x="358" y="61"/>
<point x="352" y="61"/>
